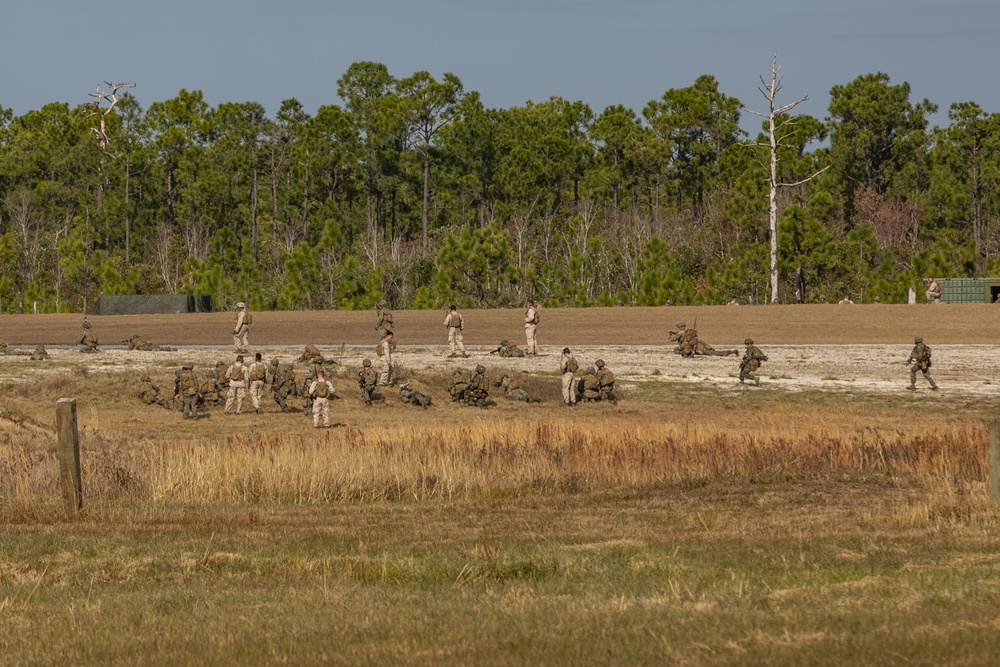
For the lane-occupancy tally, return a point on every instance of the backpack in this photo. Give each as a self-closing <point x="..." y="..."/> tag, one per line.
<point x="571" y="365"/>
<point x="536" y="319"/>
<point x="249" y="320"/>
<point x="322" y="389"/>
<point x="257" y="371"/>
<point x="378" y="350"/>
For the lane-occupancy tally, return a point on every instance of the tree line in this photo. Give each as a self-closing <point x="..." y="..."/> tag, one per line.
<point x="414" y="192"/>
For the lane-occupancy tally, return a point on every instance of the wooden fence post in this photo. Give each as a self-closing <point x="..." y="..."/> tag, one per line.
<point x="993" y="474"/>
<point x="69" y="454"/>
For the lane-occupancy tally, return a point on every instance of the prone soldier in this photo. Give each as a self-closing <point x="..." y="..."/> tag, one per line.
<point x="512" y="389"/>
<point x="408" y="394"/>
<point x="506" y="349"/>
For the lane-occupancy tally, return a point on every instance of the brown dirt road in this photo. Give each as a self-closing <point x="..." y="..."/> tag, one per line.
<point x="975" y="324"/>
<point x="857" y="348"/>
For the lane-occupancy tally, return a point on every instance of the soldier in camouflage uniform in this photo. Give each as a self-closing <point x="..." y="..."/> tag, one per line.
<point x="590" y="386"/>
<point x="921" y="354"/>
<point x="507" y="350"/>
<point x="752" y="359"/>
<point x="605" y="382"/>
<point x="367" y="381"/>
<point x="239" y="380"/>
<point x="186" y="388"/>
<point x="88" y="340"/>
<point x="211" y="394"/>
<point x="478" y="392"/>
<point x="512" y="389"/>
<point x="39" y="354"/>
<point x="531" y="319"/>
<point x="279" y="385"/>
<point x="311" y="352"/>
<point x="221" y="369"/>
<point x="408" y="394"/>
<point x="688" y="344"/>
<point x="137" y="342"/>
<point x="304" y="391"/>
<point x="459" y="386"/>
<point x="150" y="393"/>
<point x="383" y="319"/>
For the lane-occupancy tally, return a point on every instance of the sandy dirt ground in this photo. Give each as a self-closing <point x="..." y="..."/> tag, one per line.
<point x="859" y="348"/>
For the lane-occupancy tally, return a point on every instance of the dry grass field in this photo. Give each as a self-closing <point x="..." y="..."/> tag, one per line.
<point x="826" y="517"/>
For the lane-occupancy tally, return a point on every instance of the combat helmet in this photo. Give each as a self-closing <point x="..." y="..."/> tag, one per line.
<point x="187" y="367"/>
<point x="681" y="325"/>
<point x="918" y="339"/>
<point x="748" y="341"/>
<point x="591" y="370"/>
<point x="144" y="378"/>
<point x="366" y="363"/>
<point x="309" y="374"/>
<point x="599" y="363"/>
<point x="480" y="368"/>
<point x="504" y="341"/>
<point x="275" y="361"/>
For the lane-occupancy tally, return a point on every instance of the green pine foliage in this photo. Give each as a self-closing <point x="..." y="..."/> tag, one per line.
<point x="415" y="192"/>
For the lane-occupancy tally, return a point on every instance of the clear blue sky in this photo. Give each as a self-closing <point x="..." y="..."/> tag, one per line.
<point x="602" y="52"/>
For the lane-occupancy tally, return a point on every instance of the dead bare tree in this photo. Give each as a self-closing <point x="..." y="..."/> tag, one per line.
<point x="775" y="132"/>
<point x="101" y="131"/>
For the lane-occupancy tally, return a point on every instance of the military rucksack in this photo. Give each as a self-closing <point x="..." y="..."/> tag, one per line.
<point x="571" y="365"/>
<point x="257" y="371"/>
<point x="378" y="350"/>
<point x="187" y="383"/>
<point x="536" y="319"/>
<point x="322" y="389"/>
<point x="249" y="320"/>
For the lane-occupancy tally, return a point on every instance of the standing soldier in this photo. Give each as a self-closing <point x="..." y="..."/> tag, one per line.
<point x="383" y="319"/>
<point x="933" y="292"/>
<point x="279" y="385"/>
<point x="239" y="377"/>
<point x="455" y="323"/>
<point x="530" y="327"/>
<point x="88" y="340"/>
<point x="605" y="382"/>
<point x="186" y="391"/>
<point x="241" y="331"/>
<point x="307" y="409"/>
<point x="921" y="354"/>
<point x="257" y="375"/>
<point x="568" y="368"/>
<point x="320" y="391"/>
<point x="221" y="368"/>
<point x="384" y="350"/>
<point x="367" y="381"/>
<point x="751" y="361"/>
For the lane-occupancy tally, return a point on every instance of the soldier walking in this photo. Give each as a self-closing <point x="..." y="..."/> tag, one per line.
<point x="367" y="381"/>
<point x="258" y="376"/>
<point x="385" y="349"/>
<point x="241" y="330"/>
<point x="751" y="361"/>
<point x="455" y="323"/>
<point x="921" y="354"/>
<point x="320" y="391"/>
<point x="531" y="327"/>
<point x="568" y="368"/>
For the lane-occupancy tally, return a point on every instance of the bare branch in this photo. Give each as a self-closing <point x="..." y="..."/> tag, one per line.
<point x="804" y="180"/>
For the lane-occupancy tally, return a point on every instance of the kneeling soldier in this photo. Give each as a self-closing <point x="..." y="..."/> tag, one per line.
<point x="367" y="381"/>
<point x="606" y="382"/>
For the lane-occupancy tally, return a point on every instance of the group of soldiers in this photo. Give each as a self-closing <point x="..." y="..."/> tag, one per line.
<point x="596" y="384"/>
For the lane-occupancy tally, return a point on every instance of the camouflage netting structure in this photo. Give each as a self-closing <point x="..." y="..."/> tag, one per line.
<point x="151" y="304"/>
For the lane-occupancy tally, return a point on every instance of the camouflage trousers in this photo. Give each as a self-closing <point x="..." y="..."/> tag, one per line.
<point x="530" y="338"/>
<point x="568" y="390"/>
<point x="280" y="397"/>
<point x="384" y="372"/>
<point x="366" y="393"/>
<point x="189" y="405"/>
<point x="455" y="343"/>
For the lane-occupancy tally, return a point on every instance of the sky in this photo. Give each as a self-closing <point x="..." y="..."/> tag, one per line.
<point x="602" y="52"/>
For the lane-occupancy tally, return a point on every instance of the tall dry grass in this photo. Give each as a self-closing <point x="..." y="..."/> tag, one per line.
<point x="486" y="457"/>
